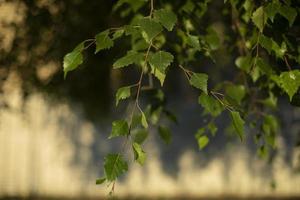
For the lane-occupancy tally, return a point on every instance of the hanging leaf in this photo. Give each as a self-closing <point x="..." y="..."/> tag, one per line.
<point x="193" y="41"/>
<point x="244" y="63"/>
<point x="118" y="34"/>
<point x="289" y="82"/>
<point x="161" y="60"/>
<point x="259" y="18"/>
<point x="159" y="75"/>
<point x="73" y="59"/>
<point x="165" y="134"/>
<point x="140" y="136"/>
<point x="150" y="28"/>
<point x="119" y="128"/>
<point x="103" y="41"/>
<point x="166" y="17"/>
<point x="238" y="124"/>
<point x="199" y="80"/>
<point x="139" y="154"/>
<point x="122" y="93"/>
<point x="210" y="104"/>
<point x="202" y="140"/>
<point x="114" y="166"/>
<point x="289" y="13"/>
<point x="212" y="128"/>
<point x="236" y="92"/>
<point x="144" y="120"/>
<point x="130" y="58"/>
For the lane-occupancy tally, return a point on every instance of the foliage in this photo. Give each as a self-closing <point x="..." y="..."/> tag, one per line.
<point x="249" y="99"/>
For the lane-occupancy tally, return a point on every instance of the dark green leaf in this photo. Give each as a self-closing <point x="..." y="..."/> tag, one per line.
<point x="166" y="17"/>
<point x="165" y="134"/>
<point x="100" y="180"/>
<point x="139" y="154"/>
<point x="272" y="9"/>
<point x="103" y="41"/>
<point x="114" y="166"/>
<point x="289" y="13"/>
<point x="238" y="124"/>
<point x="130" y="58"/>
<point x="199" y="80"/>
<point x="119" y="128"/>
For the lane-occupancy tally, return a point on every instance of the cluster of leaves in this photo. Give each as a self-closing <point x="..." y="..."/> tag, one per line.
<point x="251" y="99"/>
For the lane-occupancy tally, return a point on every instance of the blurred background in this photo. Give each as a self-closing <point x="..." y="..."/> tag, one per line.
<point x="53" y="132"/>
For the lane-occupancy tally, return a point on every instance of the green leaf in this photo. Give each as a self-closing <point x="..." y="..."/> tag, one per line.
<point x="159" y="75"/>
<point x="118" y="34"/>
<point x="139" y="154"/>
<point x="114" y="166"/>
<point x="165" y="134"/>
<point x="100" y="180"/>
<point x="263" y="66"/>
<point x="73" y="59"/>
<point x="270" y="127"/>
<point x="259" y="18"/>
<point x="130" y="58"/>
<point x="289" y="13"/>
<point x="122" y="93"/>
<point x="270" y="45"/>
<point x="266" y="43"/>
<point x="103" y="41"/>
<point x="193" y="41"/>
<point x="150" y="28"/>
<point x="238" y="124"/>
<point x="210" y="104"/>
<point x="202" y="140"/>
<point x="236" y="92"/>
<point x="244" y="63"/>
<point x="212" y="39"/>
<point x="144" y="120"/>
<point x="119" y="128"/>
<point x="199" y="80"/>
<point x="140" y="136"/>
<point x="272" y="9"/>
<point x="212" y="128"/>
<point x="161" y="60"/>
<point x="289" y="82"/>
<point x="166" y="17"/>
